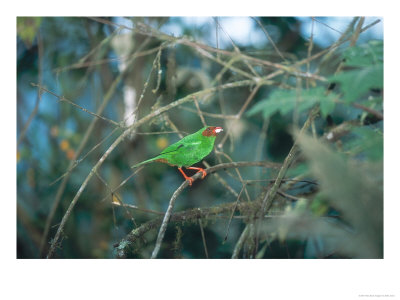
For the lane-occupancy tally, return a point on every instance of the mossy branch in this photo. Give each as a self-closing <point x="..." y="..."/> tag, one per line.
<point x="123" y="246"/>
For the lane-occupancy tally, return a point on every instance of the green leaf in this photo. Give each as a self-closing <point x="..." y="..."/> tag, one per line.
<point x="267" y="107"/>
<point x="368" y="73"/>
<point x="27" y="28"/>
<point x="356" y="83"/>
<point x="327" y="104"/>
<point x="286" y="101"/>
<point x="368" y="142"/>
<point x="319" y="205"/>
<point x="364" y="55"/>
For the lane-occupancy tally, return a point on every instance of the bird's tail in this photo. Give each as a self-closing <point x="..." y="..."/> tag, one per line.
<point x="145" y="162"/>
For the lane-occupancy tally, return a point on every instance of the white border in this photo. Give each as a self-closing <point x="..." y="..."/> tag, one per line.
<point x="195" y="279"/>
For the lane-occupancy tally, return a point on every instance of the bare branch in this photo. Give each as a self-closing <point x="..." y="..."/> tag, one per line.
<point x="269" y="38"/>
<point x="39" y="96"/>
<point x="203" y="237"/>
<point x="63" y="99"/>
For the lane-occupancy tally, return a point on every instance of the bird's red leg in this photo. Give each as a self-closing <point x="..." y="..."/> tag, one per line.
<point x="199" y="170"/>
<point x="186" y="177"/>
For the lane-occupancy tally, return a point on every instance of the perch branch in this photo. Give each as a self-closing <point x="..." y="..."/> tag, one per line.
<point x="210" y="170"/>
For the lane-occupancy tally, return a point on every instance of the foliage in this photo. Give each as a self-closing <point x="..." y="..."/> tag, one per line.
<point x="285" y="101"/>
<point x="365" y="70"/>
<point x="366" y="74"/>
<point x="27" y="29"/>
<point x="367" y="143"/>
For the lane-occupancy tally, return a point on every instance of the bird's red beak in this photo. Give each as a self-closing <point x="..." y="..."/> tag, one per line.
<point x="218" y="130"/>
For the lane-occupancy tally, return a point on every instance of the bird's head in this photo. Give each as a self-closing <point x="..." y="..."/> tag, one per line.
<point x="211" y="131"/>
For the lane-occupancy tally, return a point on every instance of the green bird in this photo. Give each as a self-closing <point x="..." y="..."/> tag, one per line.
<point x="188" y="151"/>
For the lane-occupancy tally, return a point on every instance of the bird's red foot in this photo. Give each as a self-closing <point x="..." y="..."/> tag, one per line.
<point x="190" y="179"/>
<point x="199" y="170"/>
<point x="187" y="178"/>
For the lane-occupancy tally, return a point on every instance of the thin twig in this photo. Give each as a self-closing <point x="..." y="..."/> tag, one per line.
<point x="374" y="112"/>
<point x="211" y="115"/>
<point x="240" y="113"/>
<point x="237" y="172"/>
<point x="330" y="27"/>
<point x="151" y="211"/>
<point x="240" y="242"/>
<point x="269" y="38"/>
<point x="233" y="213"/>
<point x="82" y="61"/>
<point x="200" y="113"/>
<point x="261" y="141"/>
<point x="310" y="47"/>
<point x="39" y="95"/>
<point x="63" y="99"/>
<point x="172" y="125"/>
<point x="78" y="161"/>
<point x="203" y="237"/>
<point x="113" y="194"/>
<point x="123" y="182"/>
<point x="248" y="100"/>
<point x="31" y="117"/>
<point x="287" y="195"/>
<point x="227" y="65"/>
<point x="236" y="48"/>
<point x="110" y="60"/>
<point x="222" y="181"/>
<point x="156" y="62"/>
<point x="357" y="32"/>
<point x="333" y="46"/>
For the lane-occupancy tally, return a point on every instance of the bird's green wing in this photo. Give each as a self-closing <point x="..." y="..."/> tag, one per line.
<point x="181" y="146"/>
<point x="173" y="148"/>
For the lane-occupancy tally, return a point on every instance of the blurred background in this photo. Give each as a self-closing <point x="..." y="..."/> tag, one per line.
<point x="82" y="81"/>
